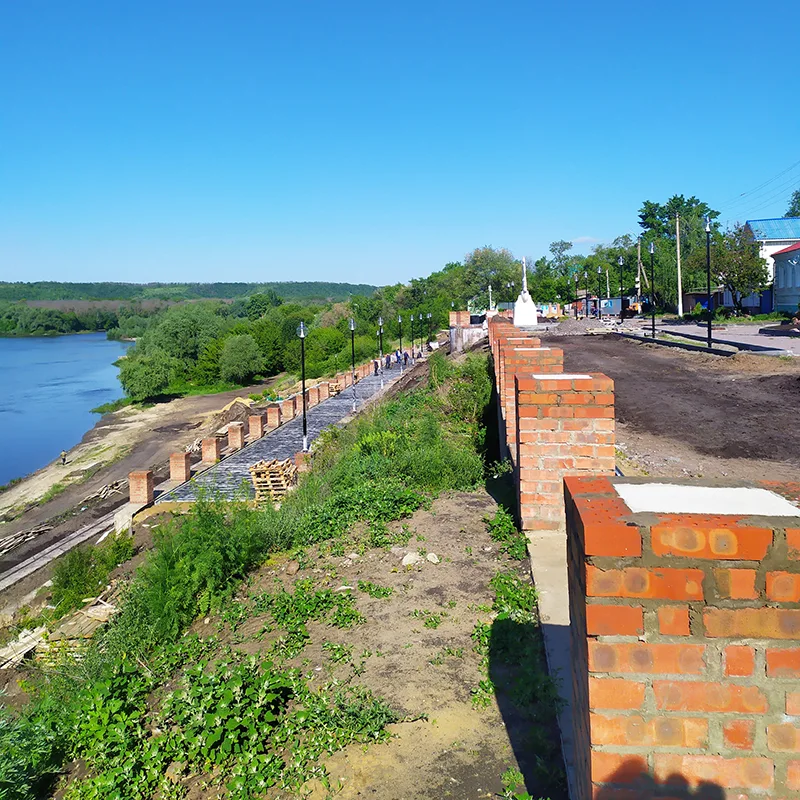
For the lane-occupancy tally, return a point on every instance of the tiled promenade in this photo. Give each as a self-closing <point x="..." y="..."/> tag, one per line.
<point x="231" y="476"/>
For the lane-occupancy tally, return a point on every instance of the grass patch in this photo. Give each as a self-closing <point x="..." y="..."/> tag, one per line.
<point x="145" y="697"/>
<point x="54" y="491"/>
<point x="114" y="405"/>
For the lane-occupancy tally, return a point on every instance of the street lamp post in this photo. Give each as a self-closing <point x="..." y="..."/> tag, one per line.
<point x="708" y="280"/>
<point x="430" y="325"/>
<point x="586" y="294"/>
<point x="301" y="332"/>
<point x="412" y="334"/>
<point x="621" y="298"/>
<point x="576" y="295"/>
<point x="380" y="348"/>
<point x="599" y="289"/>
<point x="353" y="358"/>
<point x="652" y="291"/>
<point x="400" y="328"/>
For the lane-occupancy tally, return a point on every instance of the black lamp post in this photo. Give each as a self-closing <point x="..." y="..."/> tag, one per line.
<point x="652" y="290"/>
<point x="400" y="328"/>
<point x="621" y="298"/>
<point x="353" y="357"/>
<point x="430" y="325"/>
<point x="412" y="334"/>
<point x="599" y="289"/>
<point x="576" y="295"/>
<point x="301" y="332"/>
<point x="708" y="279"/>
<point x="586" y="293"/>
<point x="380" y="349"/>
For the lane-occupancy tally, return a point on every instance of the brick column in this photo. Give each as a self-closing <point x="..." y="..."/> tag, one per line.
<point x="212" y="449"/>
<point x="302" y="461"/>
<point x="324" y="391"/>
<point x="180" y="467"/>
<point x="522" y="361"/>
<point x="256" y="425"/>
<point x="273" y="415"/>
<point x="288" y="409"/>
<point x="565" y="426"/>
<point x="346" y="379"/>
<point x="140" y="484"/>
<point x="313" y="396"/>
<point x="685" y="648"/>
<point x="236" y="435"/>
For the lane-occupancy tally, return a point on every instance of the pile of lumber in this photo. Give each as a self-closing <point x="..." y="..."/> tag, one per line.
<point x="272" y="479"/>
<point x="334" y="388"/>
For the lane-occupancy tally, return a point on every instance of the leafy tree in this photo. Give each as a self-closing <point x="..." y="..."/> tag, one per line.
<point x="184" y="331"/>
<point x="144" y="377"/>
<point x="794" y="205"/>
<point x="737" y="261"/>
<point x="260" y="304"/>
<point x="240" y="359"/>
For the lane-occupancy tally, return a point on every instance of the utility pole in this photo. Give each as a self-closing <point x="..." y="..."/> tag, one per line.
<point x="608" y="286"/>
<point x="678" y="245"/>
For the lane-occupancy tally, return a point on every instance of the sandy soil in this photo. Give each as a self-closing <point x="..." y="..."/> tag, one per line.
<point x="682" y="414"/>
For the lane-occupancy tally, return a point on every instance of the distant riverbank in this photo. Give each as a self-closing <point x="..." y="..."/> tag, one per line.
<point x="52" y="384"/>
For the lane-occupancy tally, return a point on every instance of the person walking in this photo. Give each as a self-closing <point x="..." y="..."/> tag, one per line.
<point x="375" y="367"/>
<point x="388" y="361"/>
<point x="405" y="357"/>
<point x="63" y="457"/>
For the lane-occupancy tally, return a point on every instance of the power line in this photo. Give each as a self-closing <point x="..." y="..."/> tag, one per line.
<point x="761" y="196"/>
<point x="733" y="200"/>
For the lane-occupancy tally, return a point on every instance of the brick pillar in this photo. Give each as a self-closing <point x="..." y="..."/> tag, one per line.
<point x="236" y="435"/>
<point x="273" y="416"/>
<point x="302" y="461"/>
<point x="324" y="391"/>
<point x="288" y="409"/>
<point x="565" y="426"/>
<point x="313" y="396"/>
<point x="212" y="449"/>
<point x="180" y="467"/>
<point x="684" y="644"/>
<point x="346" y="379"/>
<point x="140" y="484"/>
<point x="256" y="425"/>
<point x="522" y="361"/>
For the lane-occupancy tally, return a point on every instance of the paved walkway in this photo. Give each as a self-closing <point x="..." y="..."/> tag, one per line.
<point x="231" y="476"/>
<point x="744" y="334"/>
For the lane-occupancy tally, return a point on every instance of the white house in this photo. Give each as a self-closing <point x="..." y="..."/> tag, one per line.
<point x="773" y="235"/>
<point x="787" y="278"/>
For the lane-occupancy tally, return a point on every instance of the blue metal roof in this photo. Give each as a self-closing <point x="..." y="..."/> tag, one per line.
<point x="778" y="228"/>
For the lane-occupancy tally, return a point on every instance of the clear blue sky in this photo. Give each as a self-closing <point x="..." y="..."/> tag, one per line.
<point x="374" y="141"/>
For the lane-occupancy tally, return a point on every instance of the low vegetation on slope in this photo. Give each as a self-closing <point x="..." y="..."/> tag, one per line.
<point x="149" y="704"/>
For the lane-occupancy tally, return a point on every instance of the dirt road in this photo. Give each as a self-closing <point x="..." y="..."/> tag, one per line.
<point x="692" y="414"/>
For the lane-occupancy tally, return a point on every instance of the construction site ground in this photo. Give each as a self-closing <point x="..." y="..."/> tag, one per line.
<point x="686" y="414"/>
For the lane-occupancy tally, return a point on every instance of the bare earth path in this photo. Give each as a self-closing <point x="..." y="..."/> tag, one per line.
<point x="683" y="414"/>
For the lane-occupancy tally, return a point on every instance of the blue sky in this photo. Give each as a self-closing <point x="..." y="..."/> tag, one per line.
<point x="374" y="141"/>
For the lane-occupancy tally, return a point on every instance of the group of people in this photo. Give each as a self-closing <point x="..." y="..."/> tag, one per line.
<point x="399" y="358"/>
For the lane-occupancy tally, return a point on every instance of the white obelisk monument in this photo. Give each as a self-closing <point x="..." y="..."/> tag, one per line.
<point x="525" y="315"/>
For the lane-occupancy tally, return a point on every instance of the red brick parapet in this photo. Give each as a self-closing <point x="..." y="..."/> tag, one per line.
<point x="273" y="416"/>
<point x="257" y="426"/>
<point x="685" y="647"/>
<point x="236" y="435"/>
<point x="211" y="450"/>
<point x="289" y="408"/>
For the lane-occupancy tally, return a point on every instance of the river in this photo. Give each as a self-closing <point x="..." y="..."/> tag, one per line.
<point x="49" y="386"/>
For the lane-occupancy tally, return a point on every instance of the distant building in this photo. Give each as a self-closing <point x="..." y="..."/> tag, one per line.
<point x="787" y="278"/>
<point x="773" y="235"/>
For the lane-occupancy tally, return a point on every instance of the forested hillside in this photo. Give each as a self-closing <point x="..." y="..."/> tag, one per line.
<point x="290" y="290"/>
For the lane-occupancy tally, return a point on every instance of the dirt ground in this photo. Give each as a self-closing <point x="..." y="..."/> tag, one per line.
<point x="446" y="747"/>
<point x="685" y="414"/>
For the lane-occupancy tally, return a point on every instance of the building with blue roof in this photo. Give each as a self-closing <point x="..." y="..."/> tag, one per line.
<point x="773" y="235"/>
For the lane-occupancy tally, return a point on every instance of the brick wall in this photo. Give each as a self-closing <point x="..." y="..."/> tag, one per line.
<point x="257" y="425"/>
<point x="273" y="416"/>
<point x="211" y="450"/>
<point x="288" y="409"/>
<point x="565" y="426"/>
<point x="140" y="484"/>
<point x="236" y="435"/>
<point x="685" y="653"/>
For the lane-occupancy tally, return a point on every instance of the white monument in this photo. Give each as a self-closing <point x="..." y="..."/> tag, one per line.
<point x="525" y="315"/>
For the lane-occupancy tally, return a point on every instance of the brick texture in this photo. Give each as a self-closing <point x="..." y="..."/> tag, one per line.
<point x="211" y="450"/>
<point x="684" y="645"/>
<point x="273" y="416"/>
<point x="140" y="483"/>
<point x="236" y="435"/>
<point x="180" y="467"/>
<point x="256" y="425"/>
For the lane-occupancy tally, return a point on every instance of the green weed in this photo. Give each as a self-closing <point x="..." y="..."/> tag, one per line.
<point x="373" y="590"/>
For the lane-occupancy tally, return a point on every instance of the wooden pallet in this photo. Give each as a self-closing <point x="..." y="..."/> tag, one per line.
<point x="334" y="389"/>
<point x="272" y="479"/>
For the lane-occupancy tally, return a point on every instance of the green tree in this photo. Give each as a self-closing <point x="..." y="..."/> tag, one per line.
<point x="240" y="359"/>
<point x="144" y="377"/>
<point x="737" y="261"/>
<point x="260" y="304"/>
<point x="794" y="205"/>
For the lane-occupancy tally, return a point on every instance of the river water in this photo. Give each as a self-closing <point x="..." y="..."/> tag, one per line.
<point x="48" y="387"/>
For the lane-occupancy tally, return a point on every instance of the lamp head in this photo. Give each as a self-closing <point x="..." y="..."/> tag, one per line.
<point x="380" y="321"/>
<point x="620" y="261"/>
<point x="652" y="248"/>
<point x="708" y="225"/>
<point x="352" y="324"/>
<point x="301" y="330"/>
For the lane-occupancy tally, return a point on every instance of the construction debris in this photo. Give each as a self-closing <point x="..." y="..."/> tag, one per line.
<point x="272" y="479"/>
<point x="13" y="654"/>
<point x="334" y="388"/>
<point x="16" y="539"/>
<point x="104" y="492"/>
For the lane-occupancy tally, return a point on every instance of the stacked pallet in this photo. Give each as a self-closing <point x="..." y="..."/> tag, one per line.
<point x="334" y="388"/>
<point x="272" y="479"/>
